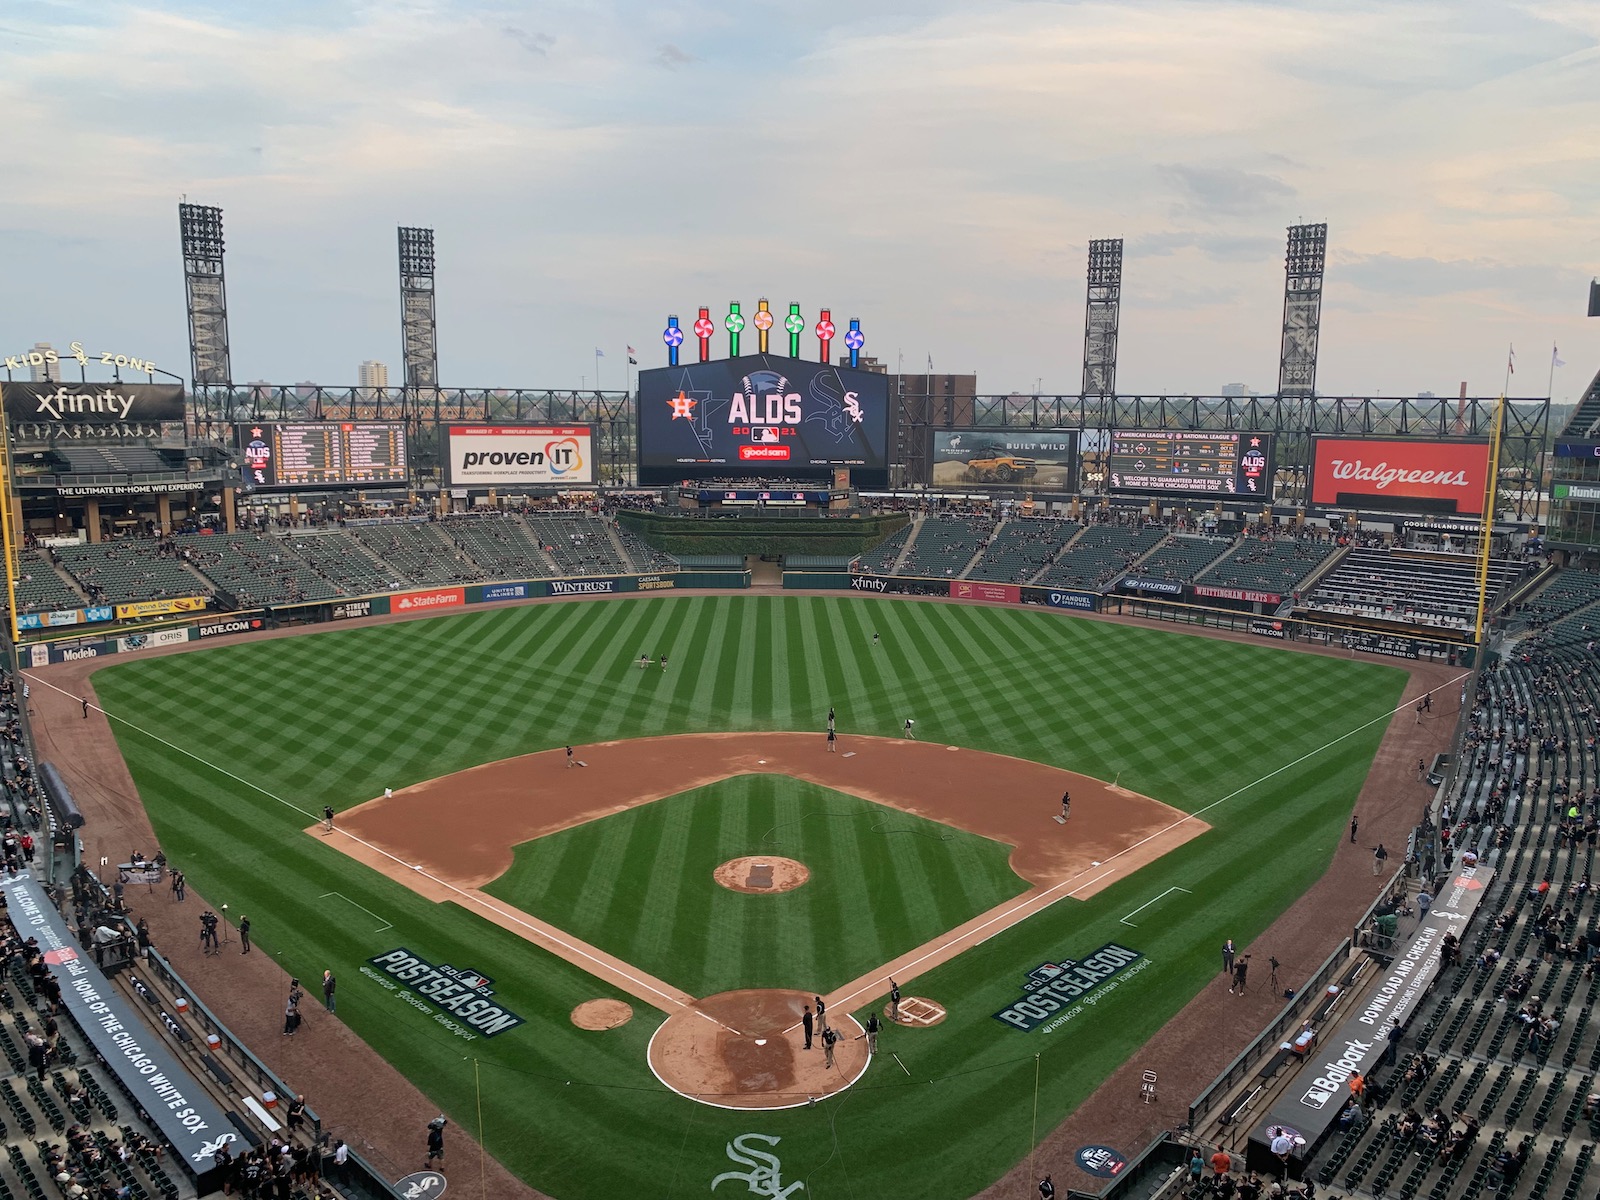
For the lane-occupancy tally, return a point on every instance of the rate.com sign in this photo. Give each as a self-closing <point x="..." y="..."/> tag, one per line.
<point x="1393" y="476"/>
<point x="498" y="455"/>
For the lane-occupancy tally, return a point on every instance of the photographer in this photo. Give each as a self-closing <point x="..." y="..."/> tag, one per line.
<point x="208" y="932"/>
<point x="435" y="1141"/>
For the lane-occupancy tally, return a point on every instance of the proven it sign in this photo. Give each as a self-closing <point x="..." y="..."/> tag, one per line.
<point x="1395" y="476"/>
<point x="501" y="455"/>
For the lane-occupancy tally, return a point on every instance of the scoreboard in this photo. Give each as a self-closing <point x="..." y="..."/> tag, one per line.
<point x="330" y="454"/>
<point x="1203" y="463"/>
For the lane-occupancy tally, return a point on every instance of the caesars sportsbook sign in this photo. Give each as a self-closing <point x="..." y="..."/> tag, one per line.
<point x="518" y="455"/>
<point x="1053" y="991"/>
<point x="1400" y="476"/>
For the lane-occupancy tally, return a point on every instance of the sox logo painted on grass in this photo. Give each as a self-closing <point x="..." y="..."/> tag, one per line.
<point x="765" y="1176"/>
<point x="422" y="1185"/>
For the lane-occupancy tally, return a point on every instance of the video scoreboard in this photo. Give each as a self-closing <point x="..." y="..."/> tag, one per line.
<point x="1202" y="462"/>
<point x="331" y="454"/>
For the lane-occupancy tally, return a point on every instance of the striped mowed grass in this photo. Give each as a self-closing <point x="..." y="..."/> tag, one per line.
<point x="236" y="749"/>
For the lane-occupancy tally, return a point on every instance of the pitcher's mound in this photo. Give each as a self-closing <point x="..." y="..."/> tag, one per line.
<point x="747" y="1050"/>
<point x="762" y="874"/>
<point x="601" y="1014"/>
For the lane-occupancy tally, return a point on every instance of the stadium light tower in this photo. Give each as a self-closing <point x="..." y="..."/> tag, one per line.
<point x="200" y="227"/>
<point x="419" y="334"/>
<point x="1302" y="310"/>
<point x="1101" y="316"/>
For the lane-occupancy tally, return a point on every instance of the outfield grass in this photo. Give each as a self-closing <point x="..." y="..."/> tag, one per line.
<point x="270" y="731"/>
<point x="639" y="885"/>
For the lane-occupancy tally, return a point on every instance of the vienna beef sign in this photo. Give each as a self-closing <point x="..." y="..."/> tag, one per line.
<point x="1396" y="476"/>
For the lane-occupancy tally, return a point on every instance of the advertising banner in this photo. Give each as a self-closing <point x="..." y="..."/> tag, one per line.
<point x="239" y="623"/>
<point x="657" y="583"/>
<point x="1380" y="643"/>
<point x="486" y="456"/>
<point x="1396" y="476"/>
<point x="762" y="415"/>
<point x="349" y="610"/>
<point x="1023" y="458"/>
<point x="1083" y="601"/>
<point x="160" y="1086"/>
<point x="589" y="587"/>
<point x="1056" y="987"/>
<point x="1142" y="583"/>
<point x="1227" y="593"/>
<point x="156" y="637"/>
<point x="92" y="403"/>
<point x="425" y="601"/>
<point x="1271" y="629"/>
<point x="78" y="651"/>
<point x="490" y="592"/>
<point x="65" y="616"/>
<point x="1310" y="1104"/>
<point x="1204" y="463"/>
<point x="1575" y="491"/>
<point x="970" y="589"/>
<point x="161" y="608"/>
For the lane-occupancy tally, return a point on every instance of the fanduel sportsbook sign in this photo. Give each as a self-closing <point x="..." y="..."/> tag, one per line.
<point x="1053" y="987"/>
<point x="92" y="403"/>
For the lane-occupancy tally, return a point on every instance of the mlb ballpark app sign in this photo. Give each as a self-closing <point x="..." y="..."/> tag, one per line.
<point x="1053" y="989"/>
<point x="1392" y="476"/>
<point x="498" y="455"/>
<point x="762" y="415"/>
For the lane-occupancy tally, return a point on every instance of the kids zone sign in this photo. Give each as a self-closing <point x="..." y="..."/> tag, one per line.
<point x="761" y="415"/>
<point x="1053" y="991"/>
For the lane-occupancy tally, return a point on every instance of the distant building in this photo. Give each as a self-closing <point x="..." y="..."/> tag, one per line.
<point x="868" y="363"/>
<point x="48" y="372"/>
<point x="1239" y="389"/>
<point x="372" y="375"/>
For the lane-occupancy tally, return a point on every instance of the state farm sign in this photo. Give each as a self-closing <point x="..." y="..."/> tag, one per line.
<point x="1394" y="476"/>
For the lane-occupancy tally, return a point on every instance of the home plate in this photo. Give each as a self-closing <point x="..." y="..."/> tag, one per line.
<point x="761" y="1041"/>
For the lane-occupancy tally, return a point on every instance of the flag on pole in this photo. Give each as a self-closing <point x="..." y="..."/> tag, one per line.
<point x="632" y="360"/>
<point x="599" y="353"/>
<point x="1555" y="356"/>
<point x="930" y="364"/>
<point x="1511" y="360"/>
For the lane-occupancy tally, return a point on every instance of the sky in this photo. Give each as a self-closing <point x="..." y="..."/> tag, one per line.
<point x="936" y="169"/>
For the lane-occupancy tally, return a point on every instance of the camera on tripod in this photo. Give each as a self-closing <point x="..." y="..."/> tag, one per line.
<point x="208" y="930"/>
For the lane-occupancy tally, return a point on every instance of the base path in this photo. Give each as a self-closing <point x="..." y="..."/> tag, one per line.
<point x="496" y="807"/>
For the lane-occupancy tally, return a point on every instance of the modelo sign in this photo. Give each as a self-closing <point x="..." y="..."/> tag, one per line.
<point x="1392" y="476"/>
<point x="498" y="455"/>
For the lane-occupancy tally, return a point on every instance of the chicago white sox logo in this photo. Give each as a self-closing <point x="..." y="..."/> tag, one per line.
<point x="765" y="1176"/>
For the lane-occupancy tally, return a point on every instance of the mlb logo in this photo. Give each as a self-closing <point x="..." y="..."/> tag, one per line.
<point x="473" y="979"/>
<point x="763" y="435"/>
<point x="1317" y="1098"/>
<point x="1045" y="972"/>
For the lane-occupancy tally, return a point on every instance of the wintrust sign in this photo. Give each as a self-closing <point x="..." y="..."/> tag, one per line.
<point x="1394" y="476"/>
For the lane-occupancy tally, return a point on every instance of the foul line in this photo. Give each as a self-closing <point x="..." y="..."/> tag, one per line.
<point x="1044" y="899"/>
<point x="362" y="907"/>
<point x="1148" y="903"/>
<point x="673" y="1003"/>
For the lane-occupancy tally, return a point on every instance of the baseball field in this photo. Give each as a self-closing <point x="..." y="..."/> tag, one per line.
<point x="236" y="749"/>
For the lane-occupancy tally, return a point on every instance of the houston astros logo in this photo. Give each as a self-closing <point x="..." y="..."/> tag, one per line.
<point x="682" y="406"/>
<point x="764" y="1178"/>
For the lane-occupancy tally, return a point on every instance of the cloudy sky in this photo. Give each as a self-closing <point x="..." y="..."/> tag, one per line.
<point x="936" y="169"/>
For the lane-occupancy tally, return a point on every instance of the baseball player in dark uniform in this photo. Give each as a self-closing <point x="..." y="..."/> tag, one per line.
<point x="1066" y="805"/>
<point x="570" y="762"/>
<point x="894" y="999"/>
<point x="830" y="1035"/>
<point x="871" y="1034"/>
<point x="809" y="1024"/>
<point x="832" y="738"/>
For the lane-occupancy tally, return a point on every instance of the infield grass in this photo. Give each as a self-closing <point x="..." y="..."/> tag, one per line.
<point x="236" y="749"/>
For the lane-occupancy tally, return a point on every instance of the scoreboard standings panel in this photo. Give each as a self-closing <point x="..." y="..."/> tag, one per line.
<point x="312" y="454"/>
<point x="1212" y="464"/>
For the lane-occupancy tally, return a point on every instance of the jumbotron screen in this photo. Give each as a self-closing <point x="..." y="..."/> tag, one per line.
<point x="762" y="415"/>
<point x="1198" y="463"/>
<point x="284" y="454"/>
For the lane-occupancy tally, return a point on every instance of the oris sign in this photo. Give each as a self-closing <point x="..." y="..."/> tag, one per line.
<point x="1400" y="476"/>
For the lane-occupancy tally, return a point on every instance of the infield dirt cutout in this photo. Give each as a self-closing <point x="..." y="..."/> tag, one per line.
<point x="446" y="838"/>
<point x="602" y="1014"/>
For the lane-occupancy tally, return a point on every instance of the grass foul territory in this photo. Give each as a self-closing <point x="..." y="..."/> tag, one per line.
<point x="231" y="747"/>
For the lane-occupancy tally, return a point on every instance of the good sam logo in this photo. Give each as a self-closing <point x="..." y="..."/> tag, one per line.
<point x="1052" y="987"/>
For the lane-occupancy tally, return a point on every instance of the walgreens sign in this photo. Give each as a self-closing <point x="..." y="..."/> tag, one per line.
<point x="1438" y="477"/>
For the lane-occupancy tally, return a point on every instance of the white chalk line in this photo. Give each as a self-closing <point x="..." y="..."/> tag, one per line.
<point x="362" y="907"/>
<point x="511" y="915"/>
<point x="1148" y="903"/>
<point x="1045" y="898"/>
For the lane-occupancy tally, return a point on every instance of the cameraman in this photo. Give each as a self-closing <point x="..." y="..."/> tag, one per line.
<point x="208" y="932"/>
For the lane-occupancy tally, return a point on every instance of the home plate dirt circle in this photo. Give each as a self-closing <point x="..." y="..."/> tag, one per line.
<point x="745" y="1049"/>
<point x="602" y="1014"/>
<point x="765" y="873"/>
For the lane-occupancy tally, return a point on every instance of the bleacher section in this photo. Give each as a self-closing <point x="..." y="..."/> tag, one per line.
<point x="1100" y="555"/>
<point x="40" y="587"/>
<point x="503" y="547"/>
<point x="124" y="571"/>
<point x="1182" y="557"/>
<point x="340" y="560"/>
<point x="1021" y="547"/>
<point x="578" y="545"/>
<point x="1564" y="595"/>
<point x="256" y="570"/>
<point x="1273" y="565"/>
<point x="417" y="552"/>
<point x="644" y="559"/>
<point x="943" y="546"/>
<point x="881" y="558"/>
<point x="1408" y="586"/>
<point x="1496" y="1091"/>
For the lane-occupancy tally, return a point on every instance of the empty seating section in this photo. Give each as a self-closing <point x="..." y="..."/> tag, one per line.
<point x="1409" y="586"/>
<point x="1268" y="565"/>
<point x="646" y="559"/>
<point x="339" y="559"/>
<point x="256" y="570"/>
<point x="1021" y="547"/>
<point x="1182" y="557"/>
<point x="1100" y="555"/>
<point x="40" y="587"/>
<point x="1496" y="1091"/>
<point x="124" y="571"/>
<point x="944" y="545"/>
<point x="117" y="460"/>
<point x="417" y="552"/>
<point x="880" y="559"/>
<point x="578" y="545"/>
<point x="1565" y="594"/>
<point x="504" y="548"/>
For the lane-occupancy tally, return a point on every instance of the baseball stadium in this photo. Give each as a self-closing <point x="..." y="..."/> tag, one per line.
<point x="791" y="779"/>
